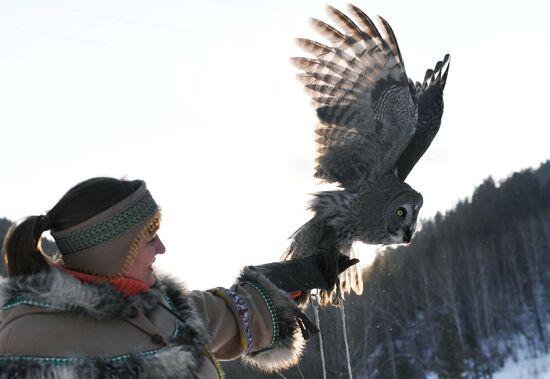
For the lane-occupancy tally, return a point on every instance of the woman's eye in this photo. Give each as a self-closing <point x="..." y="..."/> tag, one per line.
<point x="401" y="212"/>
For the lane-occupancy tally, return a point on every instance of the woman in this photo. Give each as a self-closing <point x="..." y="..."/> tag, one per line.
<point x="99" y="310"/>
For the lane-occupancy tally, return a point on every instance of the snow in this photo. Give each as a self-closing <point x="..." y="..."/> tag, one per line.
<point x="525" y="368"/>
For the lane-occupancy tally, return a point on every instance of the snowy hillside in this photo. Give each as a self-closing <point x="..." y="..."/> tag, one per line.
<point x="525" y="368"/>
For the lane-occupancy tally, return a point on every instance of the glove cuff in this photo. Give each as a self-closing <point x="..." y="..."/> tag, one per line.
<point x="286" y="348"/>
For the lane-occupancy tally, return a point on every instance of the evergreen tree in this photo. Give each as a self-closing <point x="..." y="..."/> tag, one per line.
<point x="4" y="226"/>
<point x="453" y="301"/>
<point x="450" y="355"/>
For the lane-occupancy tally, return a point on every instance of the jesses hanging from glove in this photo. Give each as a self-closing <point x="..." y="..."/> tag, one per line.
<point x="300" y="275"/>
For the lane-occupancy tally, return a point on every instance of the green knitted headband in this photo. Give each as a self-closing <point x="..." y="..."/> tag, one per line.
<point x="101" y="244"/>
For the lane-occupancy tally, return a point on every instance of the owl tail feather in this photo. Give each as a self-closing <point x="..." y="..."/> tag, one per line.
<point x="350" y="280"/>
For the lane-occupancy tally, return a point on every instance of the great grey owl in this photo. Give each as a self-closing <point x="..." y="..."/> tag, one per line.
<point x="374" y="125"/>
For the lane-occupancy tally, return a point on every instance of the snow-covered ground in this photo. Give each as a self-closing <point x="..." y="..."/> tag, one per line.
<point x="525" y="368"/>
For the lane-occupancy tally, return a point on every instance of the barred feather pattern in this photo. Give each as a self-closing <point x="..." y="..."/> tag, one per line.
<point x="331" y="211"/>
<point x="362" y="96"/>
<point x="374" y="125"/>
<point x="429" y="95"/>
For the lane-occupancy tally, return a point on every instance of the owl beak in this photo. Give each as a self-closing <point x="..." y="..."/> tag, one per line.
<point x="407" y="236"/>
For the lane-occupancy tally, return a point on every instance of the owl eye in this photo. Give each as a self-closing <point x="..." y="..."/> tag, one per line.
<point x="401" y="212"/>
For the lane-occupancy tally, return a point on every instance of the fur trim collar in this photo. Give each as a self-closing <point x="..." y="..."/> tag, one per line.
<point x="59" y="290"/>
<point x="179" y="359"/>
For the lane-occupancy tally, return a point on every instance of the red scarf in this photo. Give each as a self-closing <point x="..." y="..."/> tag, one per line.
<point x="128" y="286"/>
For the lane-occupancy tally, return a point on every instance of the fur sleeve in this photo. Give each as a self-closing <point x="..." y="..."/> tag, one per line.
<point x="287" y="343"/>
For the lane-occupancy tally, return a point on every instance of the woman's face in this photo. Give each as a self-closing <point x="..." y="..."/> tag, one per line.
<point x="146" y="253"/>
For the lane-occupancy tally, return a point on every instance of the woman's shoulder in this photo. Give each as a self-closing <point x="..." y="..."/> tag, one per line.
<point x="60" y="291"/>
<point x="33" y="330"/>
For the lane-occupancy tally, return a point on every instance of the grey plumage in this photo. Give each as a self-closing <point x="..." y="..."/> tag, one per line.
<point x="374" y="125"/>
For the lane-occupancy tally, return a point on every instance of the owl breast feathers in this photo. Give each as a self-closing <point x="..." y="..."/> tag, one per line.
<point x="374" y="125"/>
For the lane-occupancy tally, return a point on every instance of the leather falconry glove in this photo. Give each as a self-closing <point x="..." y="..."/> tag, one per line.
<point x="305" y="273"/>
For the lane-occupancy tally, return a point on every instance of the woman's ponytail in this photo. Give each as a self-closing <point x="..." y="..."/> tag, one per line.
<point x="22" y="249"/>
<point x="23" y="254"/>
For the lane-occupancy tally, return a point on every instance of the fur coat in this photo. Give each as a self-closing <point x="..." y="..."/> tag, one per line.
<point x="55" y="326"/>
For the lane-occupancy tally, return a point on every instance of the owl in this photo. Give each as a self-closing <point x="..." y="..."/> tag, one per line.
<point x="374" y="125"/>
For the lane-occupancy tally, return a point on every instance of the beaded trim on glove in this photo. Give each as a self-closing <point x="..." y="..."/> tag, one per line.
<point x="274" y="319"/>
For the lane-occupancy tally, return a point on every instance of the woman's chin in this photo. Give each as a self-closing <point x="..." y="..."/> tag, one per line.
<point x="150" y="278"/>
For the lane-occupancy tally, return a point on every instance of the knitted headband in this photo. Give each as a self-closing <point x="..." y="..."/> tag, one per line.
<point x="107" y="243"/>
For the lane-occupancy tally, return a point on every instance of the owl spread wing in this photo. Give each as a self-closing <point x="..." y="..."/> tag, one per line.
<point x="365" y="105"/>
<point x="430" y="109"/>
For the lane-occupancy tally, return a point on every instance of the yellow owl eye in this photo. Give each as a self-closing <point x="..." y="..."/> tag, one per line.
<point x="401" y="212"/>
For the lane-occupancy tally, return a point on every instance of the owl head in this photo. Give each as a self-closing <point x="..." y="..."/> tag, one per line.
<point x="386" y="211"/>
<point x="400" y="216"/>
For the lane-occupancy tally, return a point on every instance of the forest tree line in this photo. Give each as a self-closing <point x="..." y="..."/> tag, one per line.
<point x="469" y="291"/>
<point x="465" y="295"/>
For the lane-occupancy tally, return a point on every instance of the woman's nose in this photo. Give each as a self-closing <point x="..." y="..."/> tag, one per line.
<point x="160" y="248"/>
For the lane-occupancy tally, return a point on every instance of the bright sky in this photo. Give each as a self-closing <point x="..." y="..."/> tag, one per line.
<point x="199" y="99"/>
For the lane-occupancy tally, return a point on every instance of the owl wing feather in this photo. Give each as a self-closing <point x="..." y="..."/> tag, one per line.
<point x="361" y="93"/>
<point x="430" y="109"/>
